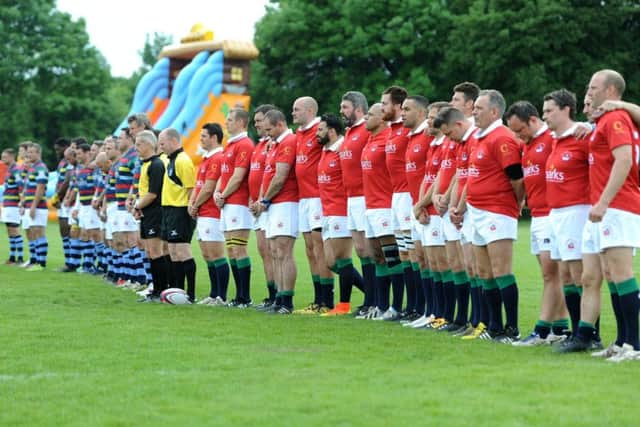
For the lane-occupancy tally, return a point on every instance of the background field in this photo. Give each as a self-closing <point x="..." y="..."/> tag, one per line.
<point x="74" y="351"/>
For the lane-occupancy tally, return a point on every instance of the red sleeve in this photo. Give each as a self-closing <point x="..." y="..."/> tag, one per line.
<point x="213" y="173"/>
<point x="617" y="130"/>
<point x="507" y="151"/>
<point x="243" y="155"/>
<point x="287" y="153"/>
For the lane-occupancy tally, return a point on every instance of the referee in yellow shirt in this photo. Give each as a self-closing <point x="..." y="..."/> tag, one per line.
<point x="177" y="224"/>
<point x="149" y="210"/>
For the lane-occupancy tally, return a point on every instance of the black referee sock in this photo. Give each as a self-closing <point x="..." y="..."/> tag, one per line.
<point x="159" y="275"/>
<point x="189" y="267"/>
<point x="179" y="274"/>
<point x="494" y="305"/>
<point x="438" y="295"/>
<point x="171" y="276"/>
<point x="397" y="285"/>
<point x="572" y="300"/>
<point x="236" y="277"/>
<point x="382" y="288"/>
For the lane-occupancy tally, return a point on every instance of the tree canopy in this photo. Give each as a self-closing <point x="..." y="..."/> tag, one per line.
<point x="522" y="48"/>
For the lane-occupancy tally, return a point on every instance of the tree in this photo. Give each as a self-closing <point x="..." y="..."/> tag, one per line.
<point x="52" y="81"/>
<point x="152" y="48"/>
<point x="522" y="48"/>
<point x="324" y="49"/>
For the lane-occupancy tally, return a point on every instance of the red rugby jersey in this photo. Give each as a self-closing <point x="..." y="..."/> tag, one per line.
<point x="462" y="159"/>
<point x="433" y="162"/>
<point x="307" y="158"/>
<point x="283" y="150"/>
<point x="257" y="168"/>
<point x="534" y="160"/>
<point x="354" y="141"/>
<point x="567" y="172"/>
<point x="375" y="177"/>
<point x="488" y="186"/>
<point x="209" y="168"/>
<point x="237" y="154"/>
<point x="395" y="156"/>
<point x="447" y="170"/>
<point x="614" y="129"/>
<point x="414" y="158"/>
<point x="332" y="194"/>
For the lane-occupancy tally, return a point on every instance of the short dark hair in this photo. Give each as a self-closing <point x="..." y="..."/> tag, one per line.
<point x="78" y="140"/>
<point x="62" y="142"/>
<point x="523" y="110"/>
<point x="438" y="105"/>
<point x="141" y="119"/>
<point x="470" y="90"/>
<point x="265" y="108"/>
<point x="563" y="99"/>
<point x="84" y="147"/>
<point x="448" y="116"/>
<point x="241" y="115"/>
<point x="422" y="101"/>
<point x="397" y="94"/>
<point x="275" y="116"/>
<point x="333" y="122"/>
<point x="214" y="129"/>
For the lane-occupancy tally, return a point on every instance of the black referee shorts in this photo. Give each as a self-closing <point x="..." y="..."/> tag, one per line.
<point x="151" y="223"/>
<point x="177" y="224"/>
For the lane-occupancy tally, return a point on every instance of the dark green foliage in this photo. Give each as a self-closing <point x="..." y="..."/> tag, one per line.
<point x="523" y="48"/>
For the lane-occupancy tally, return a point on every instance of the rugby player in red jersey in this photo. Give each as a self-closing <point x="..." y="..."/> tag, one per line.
<point x="401" y="204"/>
<point x="232" y="196"/>
<point x="414" y="118"/>
<point x="308" y="154"/>
<point x="523" y="119"/>
<point x="207" y="214"/>
<point x="379" y="227"/>
<point x="279" y="200"/>
<point x="495" y="192"/>
<point x="337" y="241"/>
<point x="433" y="241"/>
<point x="353" y="107"/>
<point x="256" y="171"/>
<point x="614" y="228"/>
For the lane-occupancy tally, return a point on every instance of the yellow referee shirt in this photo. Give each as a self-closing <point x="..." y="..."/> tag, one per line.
<point x="179" y="178"/>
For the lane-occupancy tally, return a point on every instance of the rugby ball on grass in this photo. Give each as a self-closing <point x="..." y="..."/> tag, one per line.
<point x="174" y="296"/>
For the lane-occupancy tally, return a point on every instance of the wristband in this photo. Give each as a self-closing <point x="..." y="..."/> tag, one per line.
<point x="266" y="202"/>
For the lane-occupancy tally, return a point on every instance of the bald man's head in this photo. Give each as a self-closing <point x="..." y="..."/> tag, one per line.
<point x="304" y="111"/>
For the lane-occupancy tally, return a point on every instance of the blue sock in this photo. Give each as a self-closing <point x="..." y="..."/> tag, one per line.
<point x="19" y="248"/>
<point x="42" y="250"/>
<point x="33" y="258"/>
<point x="66" y="248"/>
<point x="147" y="267"/>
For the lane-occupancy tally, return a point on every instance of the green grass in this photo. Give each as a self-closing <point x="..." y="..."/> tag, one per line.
<point x="74" y="351"/>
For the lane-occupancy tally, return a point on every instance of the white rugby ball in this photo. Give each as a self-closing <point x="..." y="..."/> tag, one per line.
<point x="175" y="296"/>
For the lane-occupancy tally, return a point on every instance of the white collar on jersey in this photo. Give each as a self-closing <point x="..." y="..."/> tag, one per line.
<point x="567" y="132"/>
<point x="358" y="123"/>
<point x="493" y="126"/>
<point x="311" y="124"/>
<point x="283" y="135"/>
<point x="468" y="133"/>
<point x="542" y="130"/>
<point x="236" y="137"/>
<point x="335" y="146"/>
<point x="419" y="129"/>
<point x="438" y="141"/>
<point x="212" y="152"/>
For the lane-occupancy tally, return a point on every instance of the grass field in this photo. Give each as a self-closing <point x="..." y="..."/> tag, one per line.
<point x="74" y="351"/>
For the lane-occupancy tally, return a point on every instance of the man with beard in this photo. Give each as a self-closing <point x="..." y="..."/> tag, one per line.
<point x="337" y="241"/>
